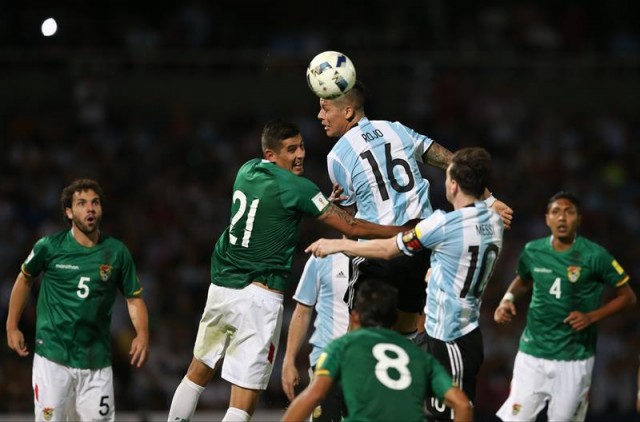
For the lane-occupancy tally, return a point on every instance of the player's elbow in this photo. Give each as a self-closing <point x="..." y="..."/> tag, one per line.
<point x="632" y="300"/>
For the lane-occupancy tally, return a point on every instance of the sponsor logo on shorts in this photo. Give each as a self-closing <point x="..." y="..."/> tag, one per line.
<point x="105" y="271"/>
<point x="515" y="409"/>
<point x="47" y="413"/>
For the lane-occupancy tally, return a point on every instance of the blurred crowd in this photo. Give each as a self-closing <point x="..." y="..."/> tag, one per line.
<point x="168" y="172"/>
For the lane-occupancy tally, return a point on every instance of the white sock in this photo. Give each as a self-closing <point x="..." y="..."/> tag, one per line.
<point x="236" y="415"/>
<point x="185" y="399"/>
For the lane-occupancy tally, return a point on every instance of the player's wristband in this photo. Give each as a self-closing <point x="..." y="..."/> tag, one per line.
<point x="508" y="297"/>
<point x="490" y="200"/>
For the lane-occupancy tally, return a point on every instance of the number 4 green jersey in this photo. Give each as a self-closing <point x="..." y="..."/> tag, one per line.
<point x="268" y="205"/>
<point x="76" y="297"/>
<point x="564" y="282"/>
<point x="384" y="376"/>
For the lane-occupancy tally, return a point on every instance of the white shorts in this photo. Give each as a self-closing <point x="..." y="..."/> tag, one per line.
<point x="243" y="326"/>
<point x="564" y="384"/>
<point x="61" y="393"/>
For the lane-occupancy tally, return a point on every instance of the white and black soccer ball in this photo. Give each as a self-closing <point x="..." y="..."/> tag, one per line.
<point x="331" y="74"/>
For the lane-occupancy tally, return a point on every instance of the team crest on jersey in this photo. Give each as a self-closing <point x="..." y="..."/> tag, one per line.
<point x="105" y="271"/>
<point x="515" y="409"/>
<point x="47" y="413"/>
<point x="573" y="272"/>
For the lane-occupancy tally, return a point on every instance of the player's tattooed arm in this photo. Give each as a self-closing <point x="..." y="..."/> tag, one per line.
<point x="343" y="213"/>
<point x="356" y="228"/>
<point x="438" y="156"/>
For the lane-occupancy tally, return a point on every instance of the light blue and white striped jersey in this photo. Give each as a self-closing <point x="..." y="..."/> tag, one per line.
<point x="376" y="163"/>
<point x="323" y="285"/>
<point x="465" y="244"/>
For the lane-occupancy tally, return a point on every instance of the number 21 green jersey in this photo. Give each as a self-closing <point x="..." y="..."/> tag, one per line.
<point x="76" y="297"/>
<point x="566" y="281"/>
<point x="268" y="205"/>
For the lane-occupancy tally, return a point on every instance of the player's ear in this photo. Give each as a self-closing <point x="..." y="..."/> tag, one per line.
<point x="349" y="113"/>
<point x="354" y="319"/>
<point x="269" y="155"/>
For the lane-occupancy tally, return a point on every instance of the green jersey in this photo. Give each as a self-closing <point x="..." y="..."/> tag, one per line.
<point x="384" y="376"/>
<point x="571" y="280"/>
<point x="76" y="297"/>
<point x="268" y="205"/>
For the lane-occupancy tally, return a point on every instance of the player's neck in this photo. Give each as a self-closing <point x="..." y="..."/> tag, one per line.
<point x="562" y="244"/>
<point x="85" y="239"/>
<point x="462" y="200"/>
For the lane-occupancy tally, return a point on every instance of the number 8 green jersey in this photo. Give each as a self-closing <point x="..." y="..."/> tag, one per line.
<point x="564" y="282"/>
<point x="76" y="297"/>
<point x="384" y="376"/>
<point x="268" y="205"/>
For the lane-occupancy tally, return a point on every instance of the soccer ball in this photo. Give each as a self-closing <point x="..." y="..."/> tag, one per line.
<point x="331" y="74"/>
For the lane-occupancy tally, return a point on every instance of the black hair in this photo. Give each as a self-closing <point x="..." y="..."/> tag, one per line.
<point x="355" y="97"/>
<point x="376" y="303"/>
<point x="275" y="131"/>
<point x="471" y="168"/>
<point x="563" y="194"/>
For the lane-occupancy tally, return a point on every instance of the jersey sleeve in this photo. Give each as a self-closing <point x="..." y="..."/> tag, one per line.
<point x="523" y="268"/>
<point x="426" y="234"/>
<point x="305" y="196"/>
<point x="308" y="286"/>
<point x="37" y="259"/>
<point x="438" y="378"/>
<point x="130" y="283"/>
<point x="610" y="271"/>
<point x="421" y="142"/>
<point x="329" y="361"/>
<point x="339" y="174"/>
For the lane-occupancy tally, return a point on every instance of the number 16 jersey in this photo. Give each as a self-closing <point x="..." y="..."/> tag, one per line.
<point x="376" y="163"/>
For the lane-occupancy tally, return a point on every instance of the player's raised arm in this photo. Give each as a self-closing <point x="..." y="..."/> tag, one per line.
<point x="352" y="227"/>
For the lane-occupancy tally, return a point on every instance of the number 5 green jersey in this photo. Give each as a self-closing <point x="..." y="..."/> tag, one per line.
<point x="268" y="205"/>
<point x="76" y="297"/>
<point x="571" y="280"/>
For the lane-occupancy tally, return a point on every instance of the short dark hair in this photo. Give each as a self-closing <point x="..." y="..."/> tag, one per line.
<point x="376" y="303"/>
<point x="563" y="194"/>
<point x="356" y="96"/>
<point x="275" y="131"/>
<point x="471" y="168"/>
<point x="79" y="185"/>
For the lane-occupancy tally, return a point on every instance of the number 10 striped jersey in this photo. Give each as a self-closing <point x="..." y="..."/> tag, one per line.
<point x="465" y="244"/>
